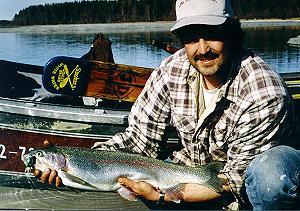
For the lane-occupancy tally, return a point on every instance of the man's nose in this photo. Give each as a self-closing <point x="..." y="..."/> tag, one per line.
<point x="203" y="46"/>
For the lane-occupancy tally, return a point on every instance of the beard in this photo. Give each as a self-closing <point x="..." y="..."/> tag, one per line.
<point x="210" y="63"/>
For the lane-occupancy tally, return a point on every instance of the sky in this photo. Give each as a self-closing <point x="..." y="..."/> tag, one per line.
<point x="8" y="8"/>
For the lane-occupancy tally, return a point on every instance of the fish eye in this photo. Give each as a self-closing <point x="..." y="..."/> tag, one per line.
<point x="39" y="154"/>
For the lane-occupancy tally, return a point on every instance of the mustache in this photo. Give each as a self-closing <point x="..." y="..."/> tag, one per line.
<point x="210" y="55"/>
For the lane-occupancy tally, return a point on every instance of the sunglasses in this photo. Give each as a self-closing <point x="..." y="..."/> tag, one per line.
<point x="193" y="33"/>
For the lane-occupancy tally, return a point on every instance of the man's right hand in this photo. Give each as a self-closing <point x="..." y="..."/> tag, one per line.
<point x="48" y="175"/>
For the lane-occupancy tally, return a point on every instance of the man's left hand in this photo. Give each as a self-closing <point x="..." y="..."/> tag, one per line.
<point x="192" y="192"/>
<point x="140" y="188"/>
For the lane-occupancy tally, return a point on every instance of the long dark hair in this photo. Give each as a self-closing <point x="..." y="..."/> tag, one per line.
<point x="235" y="35"/>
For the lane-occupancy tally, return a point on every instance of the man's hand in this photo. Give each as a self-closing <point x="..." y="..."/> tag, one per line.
<point x="190" y="192"/>
<point x="140" y="188"/>
<point x="48" y="175"/>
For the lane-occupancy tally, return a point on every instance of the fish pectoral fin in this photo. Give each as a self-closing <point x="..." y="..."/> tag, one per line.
<point x="75" y="182"/>
<point x="127" y="194"/>
<point x="176" y="192"/>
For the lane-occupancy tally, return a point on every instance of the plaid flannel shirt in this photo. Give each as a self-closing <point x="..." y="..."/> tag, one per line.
<point x="250" y="115"/>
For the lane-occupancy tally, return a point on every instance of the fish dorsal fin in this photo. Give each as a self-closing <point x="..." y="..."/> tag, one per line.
<point x="129" y="151"/>
<point x="75" y="182"/>
<point x="127" y="194"/>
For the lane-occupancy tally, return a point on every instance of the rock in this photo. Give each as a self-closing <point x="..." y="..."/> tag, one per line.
<point x="295" y="41"/>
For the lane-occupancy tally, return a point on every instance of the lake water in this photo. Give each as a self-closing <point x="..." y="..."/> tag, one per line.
<point x="132" y="43"/>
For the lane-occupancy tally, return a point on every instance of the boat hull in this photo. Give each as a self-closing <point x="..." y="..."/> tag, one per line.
<point x="25" y="125"/>
<point x="14" y="144"/>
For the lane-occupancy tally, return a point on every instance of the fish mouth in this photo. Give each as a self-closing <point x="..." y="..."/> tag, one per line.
<point x="29" y="162"/>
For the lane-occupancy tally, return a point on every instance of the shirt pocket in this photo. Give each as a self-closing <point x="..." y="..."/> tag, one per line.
<point x="184" y="124"/>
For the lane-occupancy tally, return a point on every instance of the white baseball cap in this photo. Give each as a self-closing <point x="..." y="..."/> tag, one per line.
<point x="207" y="12"/>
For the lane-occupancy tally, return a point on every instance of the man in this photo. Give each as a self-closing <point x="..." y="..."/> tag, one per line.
<point x="226" y="104"/>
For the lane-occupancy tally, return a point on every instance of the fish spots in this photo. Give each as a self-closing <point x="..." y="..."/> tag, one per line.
<point x="282" y="177"/>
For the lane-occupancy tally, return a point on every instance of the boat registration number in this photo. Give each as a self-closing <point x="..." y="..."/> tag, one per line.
<point x="21" y="151"/>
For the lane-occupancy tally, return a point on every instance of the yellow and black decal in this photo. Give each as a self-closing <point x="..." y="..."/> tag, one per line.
<point x="66" y="75"/>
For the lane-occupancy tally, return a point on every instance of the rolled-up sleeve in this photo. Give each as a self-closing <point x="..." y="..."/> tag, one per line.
<point x="147" y="120"/>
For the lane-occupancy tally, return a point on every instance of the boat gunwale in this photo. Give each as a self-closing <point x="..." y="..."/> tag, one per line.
<point x="84" y="114"/>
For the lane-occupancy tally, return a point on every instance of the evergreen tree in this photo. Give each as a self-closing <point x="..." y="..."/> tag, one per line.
<point x="103" y="11"/>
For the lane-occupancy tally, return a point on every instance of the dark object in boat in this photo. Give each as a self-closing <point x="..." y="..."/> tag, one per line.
<point x="100" y="50"/>
<point x="166" y="47"/>
<point x="16" y="85"/>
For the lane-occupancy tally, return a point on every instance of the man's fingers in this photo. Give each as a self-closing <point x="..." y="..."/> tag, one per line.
<point x="52" y="176"/>
<point x="127" y="182"/>
<point x="45" y="175"/>
<point x="58" y="182"/>
<point x="224" y="179"/>
<point x="37" y="173"/>
<point x="48" y="175"/>
<point x="140" y="188"/>
<point x="124" y="181"/>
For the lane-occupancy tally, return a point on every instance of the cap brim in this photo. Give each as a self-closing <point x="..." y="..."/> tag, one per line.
<point x="205" y="20"/>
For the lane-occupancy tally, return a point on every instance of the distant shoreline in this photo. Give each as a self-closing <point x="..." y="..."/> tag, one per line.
<point x="270" y="22"/>
<point x="130" y="27"/>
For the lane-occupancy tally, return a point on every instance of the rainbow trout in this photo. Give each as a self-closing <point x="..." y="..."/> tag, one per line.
<point x="99" y="170"/>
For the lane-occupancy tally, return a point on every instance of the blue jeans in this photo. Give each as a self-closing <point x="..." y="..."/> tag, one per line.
<point x="272" y="179"/>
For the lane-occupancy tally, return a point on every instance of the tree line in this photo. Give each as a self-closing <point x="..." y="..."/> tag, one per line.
<point x="97" y="11"/>
<point x="113" y="11"/>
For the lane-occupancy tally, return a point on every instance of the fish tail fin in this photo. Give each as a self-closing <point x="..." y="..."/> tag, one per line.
<point x="214" y="183"/>
<point x="215" y="167"/>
